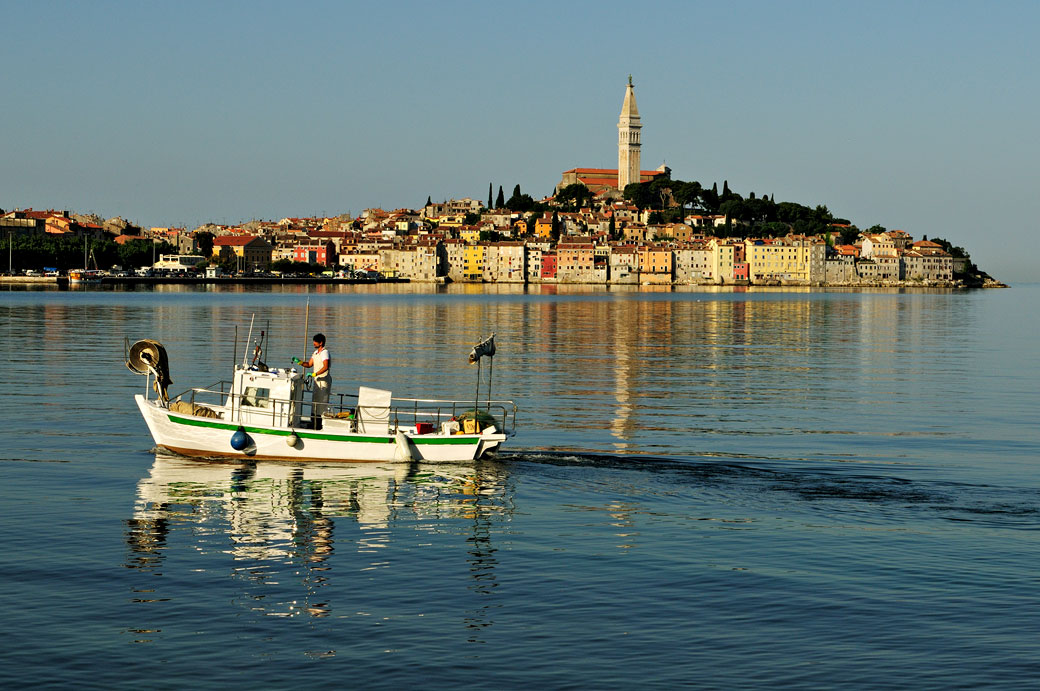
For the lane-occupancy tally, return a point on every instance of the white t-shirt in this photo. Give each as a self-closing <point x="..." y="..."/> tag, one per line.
<point x="320" y="357"/>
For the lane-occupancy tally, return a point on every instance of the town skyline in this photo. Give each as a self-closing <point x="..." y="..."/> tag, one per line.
<point x="913" y="118"/>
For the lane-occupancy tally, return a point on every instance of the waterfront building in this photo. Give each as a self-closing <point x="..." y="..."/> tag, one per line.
<point x="693" y="263"/>
<point x="794" y="260"/>
<point x="624" y="265"/>
<point x="656" y="264"/>
<point x="454" y="252"/>
<point x="878" y="246"/>
<point x="323" y="253"/>
<point x="927" y="260"/>
<point x="178" y="262"/>
<point x="473" y="259"/>
<point x="504" y="262"/>
<point x="549" y="264"/>
<point x="361" y="260"/>
<point x="723" y="258"/>
<point x="250" y="253"/>
<point x="417" y="262"/>
<point x="577" y="263"/>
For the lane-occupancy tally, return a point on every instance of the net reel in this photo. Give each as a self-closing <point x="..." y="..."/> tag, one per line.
<point x="149" y="357"/>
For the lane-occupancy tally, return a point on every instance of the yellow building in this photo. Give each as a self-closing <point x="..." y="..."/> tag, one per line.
<point x="543" y="227"/>
<point x="250" y="253"/>
<point x="469" y="234"/>
<point x="473" y="259"/>
<point x="723" y="257"/>
<point x="788" y="260"/>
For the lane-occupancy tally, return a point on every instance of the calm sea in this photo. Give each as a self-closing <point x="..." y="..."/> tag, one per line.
<point x="709" y="489"/>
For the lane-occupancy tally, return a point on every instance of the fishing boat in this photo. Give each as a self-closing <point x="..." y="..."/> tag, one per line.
<point x="82" y="276"/>
<point x="86" y="274"/>
<point x="261" y="413"/>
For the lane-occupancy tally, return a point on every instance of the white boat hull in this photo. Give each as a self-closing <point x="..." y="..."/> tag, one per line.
<point x="190" y="435"/>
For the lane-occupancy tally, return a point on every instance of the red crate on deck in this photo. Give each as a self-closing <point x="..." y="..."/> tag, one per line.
<point x="423" y="427"/>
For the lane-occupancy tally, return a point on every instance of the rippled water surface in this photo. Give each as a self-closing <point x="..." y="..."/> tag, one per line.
<point x="708" y="489"/>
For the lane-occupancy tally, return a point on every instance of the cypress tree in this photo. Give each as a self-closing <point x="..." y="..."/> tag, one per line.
<point x="500" y="202"/>
<point x="489" y="195"/>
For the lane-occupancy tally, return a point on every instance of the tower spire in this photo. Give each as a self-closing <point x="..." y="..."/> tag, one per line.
<point x="629" y="126"/>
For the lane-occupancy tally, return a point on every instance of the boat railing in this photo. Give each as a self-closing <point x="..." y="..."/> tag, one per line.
<point x="412" y="411"/>
<point x="403" y="412"/>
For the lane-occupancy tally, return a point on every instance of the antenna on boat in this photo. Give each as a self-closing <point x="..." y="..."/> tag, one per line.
<point x="306" y="325"/>
<point x="245" y="355"/>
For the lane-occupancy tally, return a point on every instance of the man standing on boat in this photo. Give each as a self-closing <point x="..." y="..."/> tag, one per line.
<point x="322" y="378"/>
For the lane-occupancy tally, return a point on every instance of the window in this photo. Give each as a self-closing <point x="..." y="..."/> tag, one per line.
<point x="257" y="397"/>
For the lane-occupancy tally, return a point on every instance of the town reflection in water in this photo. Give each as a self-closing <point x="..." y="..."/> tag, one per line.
<point x="277" y="518"/>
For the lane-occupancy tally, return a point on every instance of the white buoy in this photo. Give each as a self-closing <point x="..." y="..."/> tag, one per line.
<point x="292" y="440"/>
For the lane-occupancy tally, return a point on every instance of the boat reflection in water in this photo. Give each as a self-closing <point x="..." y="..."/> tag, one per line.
<point x="285" y="521"/>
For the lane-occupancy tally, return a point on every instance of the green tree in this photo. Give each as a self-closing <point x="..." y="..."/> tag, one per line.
<point x="710" y="199"/>
<point x="574" y="196"/>
<point x="489" y="196"/>
<point x="520" y="201"/>
<point x="639" y="194"/>
<point x="956" y="252"/>
<point x="500" y="201"/>
<point x="733" y="209"/>
<point x="848" y="235"/>
<point x="532" y="219"/>
<point x="688" y="195"/>
<point x="204" y="240"/>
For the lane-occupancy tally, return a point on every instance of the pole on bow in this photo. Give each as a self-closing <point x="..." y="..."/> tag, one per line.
<point x="485" y="347"/>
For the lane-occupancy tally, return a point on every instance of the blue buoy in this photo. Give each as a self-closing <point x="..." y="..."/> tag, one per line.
<point x="239" y="440"/>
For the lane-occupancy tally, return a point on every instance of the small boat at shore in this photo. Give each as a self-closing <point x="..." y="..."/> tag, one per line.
<point x="82" y="276"/>
<point x="261" y="413"/>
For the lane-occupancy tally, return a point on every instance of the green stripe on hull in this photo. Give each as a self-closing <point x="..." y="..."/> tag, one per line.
<point x="418" y="440"/>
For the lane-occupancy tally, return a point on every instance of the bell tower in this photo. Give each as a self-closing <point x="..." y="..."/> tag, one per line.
<point x="628" y="140"/>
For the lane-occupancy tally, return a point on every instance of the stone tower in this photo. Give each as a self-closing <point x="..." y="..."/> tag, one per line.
<point x="628" y="140"/>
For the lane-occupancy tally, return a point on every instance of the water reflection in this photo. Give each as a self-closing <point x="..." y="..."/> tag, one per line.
<point x="287" y="527"/>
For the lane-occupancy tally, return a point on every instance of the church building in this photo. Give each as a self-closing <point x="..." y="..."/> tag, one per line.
<point x="629" y="145"/>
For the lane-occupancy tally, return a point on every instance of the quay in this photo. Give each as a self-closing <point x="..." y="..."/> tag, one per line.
<point x="63" y="281"/>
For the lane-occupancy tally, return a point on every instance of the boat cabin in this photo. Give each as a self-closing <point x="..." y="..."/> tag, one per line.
<point x="274" y="397"/>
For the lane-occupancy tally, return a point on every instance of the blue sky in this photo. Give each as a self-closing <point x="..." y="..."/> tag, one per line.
<point x="913" y="115"/>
